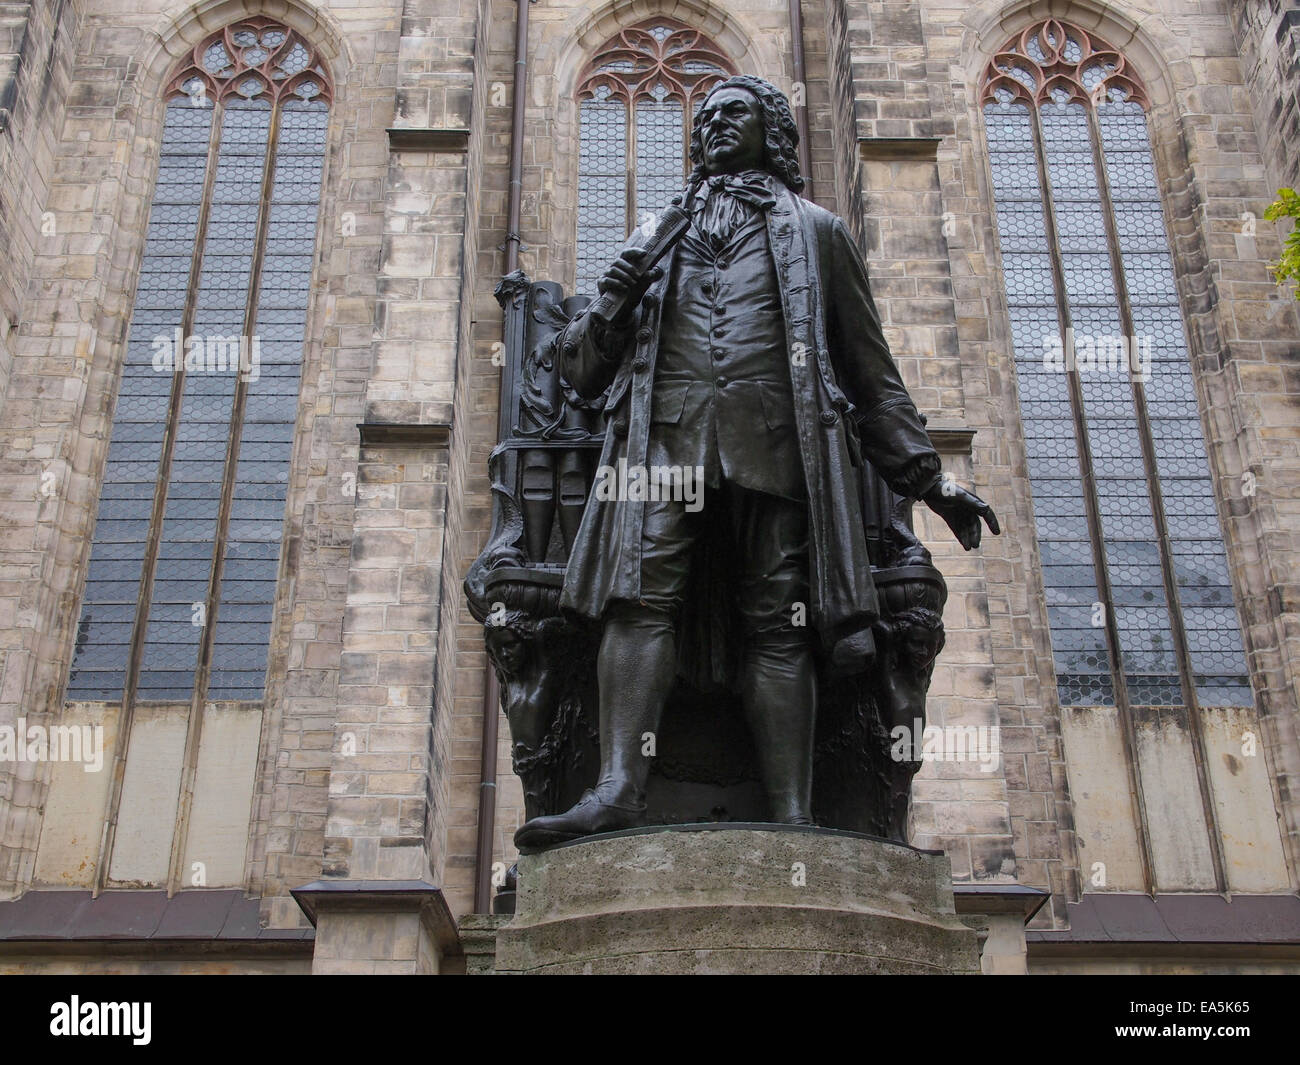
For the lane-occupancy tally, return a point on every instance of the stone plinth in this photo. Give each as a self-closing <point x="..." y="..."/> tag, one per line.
<point x="380" y="927"/>
<point x="735" y="899"/>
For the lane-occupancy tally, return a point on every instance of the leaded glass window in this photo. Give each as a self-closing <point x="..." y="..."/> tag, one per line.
<point x="635" y="102"/>
<point x="1134" y="569"/>
<point x="183" y="567"/>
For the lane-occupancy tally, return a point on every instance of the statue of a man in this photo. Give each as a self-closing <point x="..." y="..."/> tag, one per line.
<point x="754" y="354"/>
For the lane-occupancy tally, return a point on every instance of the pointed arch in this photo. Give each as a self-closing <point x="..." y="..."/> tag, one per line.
<point x="1127" y="519"/>
<point x="637" y="96"/>
<point x="181" y="582"/>
<point x="1155" y="54"/>
<point x="253" y="57"/>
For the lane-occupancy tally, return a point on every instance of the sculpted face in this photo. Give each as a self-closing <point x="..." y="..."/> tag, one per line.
<point x="731" y="131"/>
<point x="918" y="648"/>
<point x="508" y="649"/>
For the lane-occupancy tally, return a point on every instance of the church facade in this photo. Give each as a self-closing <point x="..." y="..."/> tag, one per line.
<point x="251" y="354"/>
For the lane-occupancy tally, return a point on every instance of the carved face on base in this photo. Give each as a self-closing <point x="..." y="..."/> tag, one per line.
<point x="919" y="648"/>
<point x="508" y="651"/>
<point x="915" y="637"/>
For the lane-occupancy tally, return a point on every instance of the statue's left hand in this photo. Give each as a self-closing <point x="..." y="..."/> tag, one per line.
<point x="962" y="510"/>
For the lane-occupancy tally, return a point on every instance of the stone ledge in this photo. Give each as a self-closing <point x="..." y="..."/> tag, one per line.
<point x="405" y="434"/>
<point x="429" y="139"/>
<point x="951" y="440"/>
<point x="974" y="899"/>
<point x="894" y="149"/>
<point x="383" y="896"/>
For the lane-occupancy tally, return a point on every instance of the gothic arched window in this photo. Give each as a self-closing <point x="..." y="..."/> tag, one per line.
<point x="183" y="568"/>
<point x="637" y="98"/>
<point x="1136" y="577"/>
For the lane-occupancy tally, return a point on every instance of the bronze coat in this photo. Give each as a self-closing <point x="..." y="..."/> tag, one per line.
<point x="847" y="395"/>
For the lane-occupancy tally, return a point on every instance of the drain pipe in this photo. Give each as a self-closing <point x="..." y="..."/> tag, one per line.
<point x="487" y="788"/>
<point x="487" y="794"/>
<point x="801" y="112"/>
<point x="518" y="101"/>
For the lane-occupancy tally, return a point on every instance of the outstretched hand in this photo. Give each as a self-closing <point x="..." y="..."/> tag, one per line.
<point x="962" y="510"/>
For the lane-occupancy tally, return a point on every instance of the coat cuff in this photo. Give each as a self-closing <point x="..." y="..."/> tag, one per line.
<point x="608" y="341"/>
<point x="917" y="476"/>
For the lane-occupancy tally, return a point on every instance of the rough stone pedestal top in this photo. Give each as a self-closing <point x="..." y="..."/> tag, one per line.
<point x="735" y="899"/>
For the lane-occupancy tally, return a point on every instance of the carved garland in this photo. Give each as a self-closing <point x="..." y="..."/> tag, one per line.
<point x="661" y="59"/>
<point x="1054" y="61"/>
<point x="252" y="58"/>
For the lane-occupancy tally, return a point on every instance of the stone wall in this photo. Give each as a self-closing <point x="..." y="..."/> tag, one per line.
<point x="1268" y="37"/>
<point x="455" y="713"/>
<point x="35" y="61"/>
<point x="841" y="118"/>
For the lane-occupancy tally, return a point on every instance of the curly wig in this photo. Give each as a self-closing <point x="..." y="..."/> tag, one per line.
<point x="780" y="135"/>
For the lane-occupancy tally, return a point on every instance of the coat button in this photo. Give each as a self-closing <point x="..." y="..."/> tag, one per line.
<point x="650" y="301"/>
<point x="828" y="417"/>
<point x="723" y="382"/>
<point x="645" y="334"/>
<point x="639" y="364"/>
<point x="618" y="427"/>
<point x="570" y="346"/>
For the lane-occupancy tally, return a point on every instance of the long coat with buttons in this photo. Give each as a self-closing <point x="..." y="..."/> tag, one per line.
<point x="849" y="402"/>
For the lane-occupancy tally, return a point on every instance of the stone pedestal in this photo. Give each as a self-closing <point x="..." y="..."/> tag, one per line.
<point x="730" y="898"/>
<point x="380" y="927"/>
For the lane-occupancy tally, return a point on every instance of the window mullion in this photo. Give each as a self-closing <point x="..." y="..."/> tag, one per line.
<point x="629" y="174"/>
<point x="153" y="545"/>
<point x="1145" y="437"/>
<point x="688" y="122"/>
<point x="1092" y="509"/>
<point x="203" y="667"/>
<point x="1156" y="494"/>
<point x="174" y="413"/>
<point x="237" y="408"/>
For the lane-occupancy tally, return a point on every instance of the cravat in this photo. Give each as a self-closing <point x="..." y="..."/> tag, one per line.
<point x="725" y="201"/>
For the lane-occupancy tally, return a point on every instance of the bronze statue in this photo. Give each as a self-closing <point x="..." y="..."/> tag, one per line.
<point x="752" y="360"/>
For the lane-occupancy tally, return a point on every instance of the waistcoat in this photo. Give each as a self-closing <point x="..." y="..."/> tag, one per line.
<point x="722" y="397"/>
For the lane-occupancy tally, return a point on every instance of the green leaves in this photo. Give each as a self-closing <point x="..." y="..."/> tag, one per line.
<point x="1287" y="205"/>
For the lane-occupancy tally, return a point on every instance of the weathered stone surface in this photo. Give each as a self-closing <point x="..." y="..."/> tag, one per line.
<point x="478" y="939"/>
<point x="735" y="899"/>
